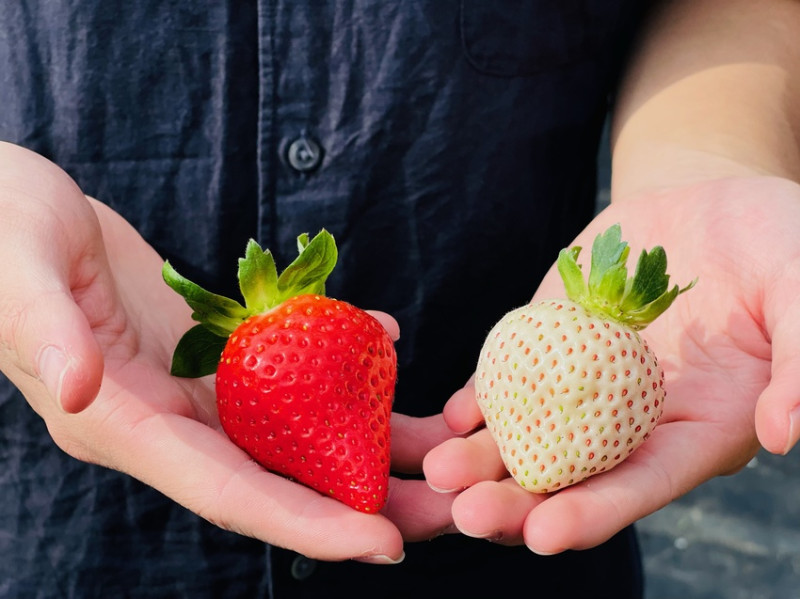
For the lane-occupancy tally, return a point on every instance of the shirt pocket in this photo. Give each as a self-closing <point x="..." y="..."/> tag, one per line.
<point x="512" y="38"/>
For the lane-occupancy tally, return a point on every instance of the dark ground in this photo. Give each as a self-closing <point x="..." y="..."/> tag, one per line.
<point x="735" y="537"/>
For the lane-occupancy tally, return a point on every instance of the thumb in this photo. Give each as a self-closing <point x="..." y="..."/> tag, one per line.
<point x="67" y="358"/>
<point x="53" y="275"/>
<point x="49" y="341"/>
<point x="778" y="408"/>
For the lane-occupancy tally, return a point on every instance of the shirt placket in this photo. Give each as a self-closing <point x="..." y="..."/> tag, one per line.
<point x="291" y="147"/>
<point x="266" y="133"/>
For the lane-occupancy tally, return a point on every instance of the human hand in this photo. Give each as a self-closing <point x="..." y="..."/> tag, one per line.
<point x="730" y="348"/>
<point x="87" y="330"/>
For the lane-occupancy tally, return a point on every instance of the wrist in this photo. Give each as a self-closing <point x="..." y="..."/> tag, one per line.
<point x="723" y="122"/>
<point x="712" y="92"/>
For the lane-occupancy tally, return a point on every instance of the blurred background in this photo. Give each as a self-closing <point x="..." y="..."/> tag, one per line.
<point x="736" y="537"/>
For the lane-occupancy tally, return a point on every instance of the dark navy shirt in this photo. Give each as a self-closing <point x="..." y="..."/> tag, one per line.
<point x="449" y="146"/>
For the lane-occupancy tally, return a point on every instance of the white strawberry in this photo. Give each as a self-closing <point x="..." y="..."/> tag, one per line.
<point x="568" y="387"/>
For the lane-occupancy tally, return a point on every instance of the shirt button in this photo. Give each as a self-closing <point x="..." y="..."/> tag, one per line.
<point x="304" y="154"/>
<point x="303" y="567"/>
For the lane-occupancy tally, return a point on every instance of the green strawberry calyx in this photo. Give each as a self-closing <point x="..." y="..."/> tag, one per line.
<point x="198" y="351"/>
<point x="633" y="301"/>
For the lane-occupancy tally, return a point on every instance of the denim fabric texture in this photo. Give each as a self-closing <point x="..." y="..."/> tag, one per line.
<point x="449" y="146"/>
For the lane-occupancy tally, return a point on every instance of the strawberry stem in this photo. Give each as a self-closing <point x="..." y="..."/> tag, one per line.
<point x="633" y="301"/>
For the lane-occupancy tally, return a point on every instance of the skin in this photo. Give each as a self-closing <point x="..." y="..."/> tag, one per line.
<point x="78" y="337"/>
<point x="705" y="163"/>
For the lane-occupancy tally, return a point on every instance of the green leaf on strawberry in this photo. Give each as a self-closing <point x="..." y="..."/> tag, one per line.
<point x="197" y="353"/>
<point x="261" y="288"/>
<point x="258" y="278"/>
<point x="634" y="301"/>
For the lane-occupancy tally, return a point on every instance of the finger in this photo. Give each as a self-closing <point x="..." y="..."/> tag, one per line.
<point x="46" y="339"/>
<point x="418" y="512"/>
<point x="462" y="462"/>
<point x="678" y="457"/>
<point x="461" y="412"/>
<point x="495" y="511"/>
<point x="55" y="344"/>
<point x="388" y="322"/>
<point x="222" y="484"/>
<point x="413" y="438"/>
<point x="777" y="415"/>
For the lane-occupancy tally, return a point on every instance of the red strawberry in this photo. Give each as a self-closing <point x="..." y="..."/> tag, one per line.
<point x="304" y="382"/>
<point x="568" y="387"/>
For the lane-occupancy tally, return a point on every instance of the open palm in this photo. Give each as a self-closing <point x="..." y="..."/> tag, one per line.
<point x="88" y="330"/>
<point x="730" y="348"/>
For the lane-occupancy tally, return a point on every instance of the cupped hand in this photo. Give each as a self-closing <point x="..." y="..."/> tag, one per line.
<point x="87" y="330"/>
<point x="730" y="348"/>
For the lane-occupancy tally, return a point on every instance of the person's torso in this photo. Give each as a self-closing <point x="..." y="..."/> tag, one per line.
<point x="449" y="146"/>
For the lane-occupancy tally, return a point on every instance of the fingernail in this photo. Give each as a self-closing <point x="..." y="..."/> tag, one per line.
<point x="465" y="432"/>
<point x="445" y="491"/>
<point x="543" y="553"/>
<point x="52" y="366"/>
<point x="493" y="536"/>
<point x="794" y="429"/>
<point x="380" y="560"/>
